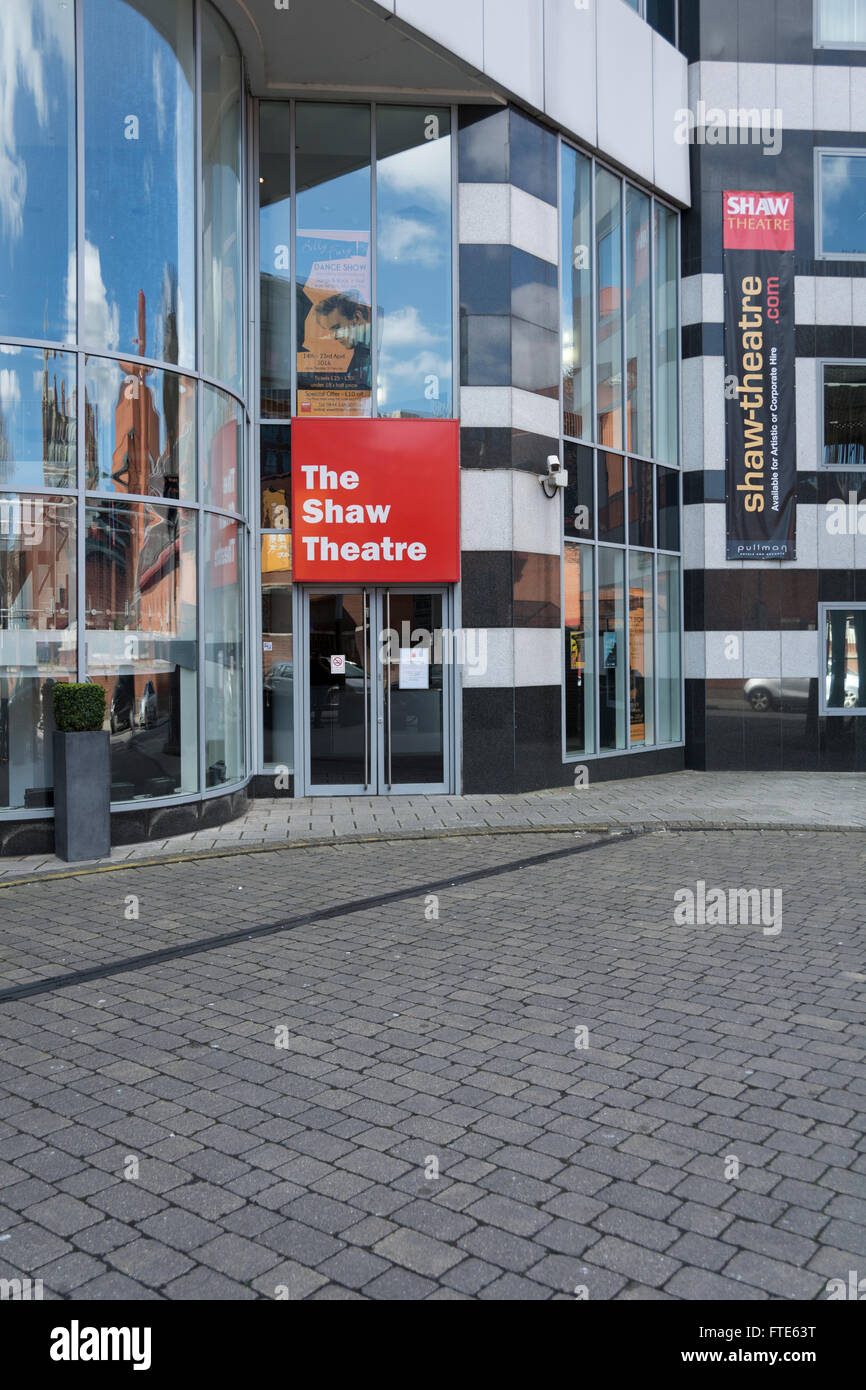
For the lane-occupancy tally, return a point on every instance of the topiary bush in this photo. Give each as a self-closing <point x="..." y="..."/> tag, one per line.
<point x="79" y="709"/>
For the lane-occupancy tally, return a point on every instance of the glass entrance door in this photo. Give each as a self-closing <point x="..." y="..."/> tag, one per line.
<point x="377" y="692"/>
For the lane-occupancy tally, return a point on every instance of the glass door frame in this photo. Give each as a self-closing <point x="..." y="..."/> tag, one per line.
<point x="377" y="706"/>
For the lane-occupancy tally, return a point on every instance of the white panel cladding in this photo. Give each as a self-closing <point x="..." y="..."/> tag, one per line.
<point x="832" y="98"/>
<point x="457" y="24"/>
<point x="625" y="87"/>
<point x="800" y="654"/>
<point x="806" y="398"/>
<point x="487" y="509"/>
<point x="538" y="519"/>
<point x="534" y="226"/>
<point x="693" y="538"/>
<point x="762" y="654"/>
<point x="670" y="96"/>
<point x="537" y="656"/>
<point x="723" y="659"/>
<point x="570" y="42"/>
<point x="484" y="214"/>
<point x="496" y="671"/>
<point x="695" y="656"/>
<point x="703" y="299"/>
<point x="514" y="47"/>
<point x="500" y="407"/>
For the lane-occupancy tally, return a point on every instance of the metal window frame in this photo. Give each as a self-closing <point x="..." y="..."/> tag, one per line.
<point x="832" y="44"/>
<point x="826" y="711"/>
<point x="820" y="364"/>
<point x="822" y="151"/>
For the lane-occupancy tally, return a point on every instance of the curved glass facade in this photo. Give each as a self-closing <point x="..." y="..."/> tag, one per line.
<point x="123" y="422"/>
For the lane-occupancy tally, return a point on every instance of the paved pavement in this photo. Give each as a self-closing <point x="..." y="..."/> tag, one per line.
<point x="687" y="799"/>
<point x="393" y="1096"/>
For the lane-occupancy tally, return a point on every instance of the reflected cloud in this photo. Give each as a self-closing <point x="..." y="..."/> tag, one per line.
<point x="10" y="388"/>
<point x="101" y="317"/>
<point x="405" y="328"/>
<point x="29" y="37"/>
<point x="408" y="239"/>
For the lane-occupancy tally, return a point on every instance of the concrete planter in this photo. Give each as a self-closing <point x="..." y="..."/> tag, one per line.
<point x="82" y="796"/>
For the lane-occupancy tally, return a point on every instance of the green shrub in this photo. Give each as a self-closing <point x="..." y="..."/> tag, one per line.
<point x="79" y="709"/>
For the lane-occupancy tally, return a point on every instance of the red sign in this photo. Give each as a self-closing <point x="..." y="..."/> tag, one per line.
<point x="376" y="501"/>
<point x="759" y="221"/>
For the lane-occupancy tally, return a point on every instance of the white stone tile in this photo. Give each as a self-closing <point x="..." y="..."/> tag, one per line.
<point x="804" y="299"/>
<point x="807" y="537"/>
<point x="485" y="407"/>
<point x="714" y="412"/>
<point x="762" y="654"/>
<point x="834" y="552"/>
<point x="833" y="300"/>
<point x="807" y="417"/>
<point x="486" y="509"/>
<point x="538" y="519"/>
<point x="717" y="85"/>
<point x="537" y="656"/>
<point x="724" y="655"/>
<point x="495" y="669"/>
<point x="858" y="301"/>
<point x="484" y="214"/>
<point x="693" y="537"/>
<point x="795" y="95"/>
<point x="625" y="87"/>
<point x="534" y="226"/>
<point x="832" y="98"/>
<point x="536" y="414"/>
<point x="715" y="538"/>
<point x="693" y="424"/>
<point x="691" y="299"/>
<point x="756" y="84"/>
<point x="800" y="653"/>
<point x="695" y="656"/>
<point x="670" y="97"/>
<point x="858" y="98"/>
<point x="714" y="298"/>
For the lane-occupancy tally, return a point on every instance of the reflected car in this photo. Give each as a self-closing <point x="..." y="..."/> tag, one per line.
<point x="792" y="693"/>
<point x="121" y="712"/>
<point x="147" y="707"/>
<point x="280" y="680"/>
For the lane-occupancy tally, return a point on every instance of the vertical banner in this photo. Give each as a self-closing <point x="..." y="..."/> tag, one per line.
<point x="760" y="416"/>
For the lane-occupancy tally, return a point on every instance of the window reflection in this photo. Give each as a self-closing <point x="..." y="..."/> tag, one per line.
<point x="844" y="415"/>
<point x="638" y="323"/>
<point x="141" y="430"/>
<point x="641" y="643"/>
<point x="608" y="221"/>
<point x="842" y="184"/>
<point x="37" y="418"/>
<point x="611" y="649"/>
<point x="669" y="651"/>
<point x="223" y="450"/>
<point x="37" y="163"/>
<point x="413" y="146"/>
<point x="37" y="638"/>
<point x="275" y="239"/>
<point x="224" y="663"/>
<point x="577" y="335"/>
<point x="667" y="335"/>
<point x="579" y="651"/>
<point x="222" y="219"/>
<point x="139" y="153"/>
<point x="845" y="640"/>
<point x="140" y="576"/>
<point x="278" y="653"/>
<point x="333" y="252"/>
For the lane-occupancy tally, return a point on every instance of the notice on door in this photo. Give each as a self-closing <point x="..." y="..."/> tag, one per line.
<point x="415" y="668"/>
<point x="376" y="501"/>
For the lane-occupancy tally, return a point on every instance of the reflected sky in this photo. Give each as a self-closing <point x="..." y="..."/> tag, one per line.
<point x="37" y="197"/>
<point x="37" y="417"/>
<point x="843" y="193"/>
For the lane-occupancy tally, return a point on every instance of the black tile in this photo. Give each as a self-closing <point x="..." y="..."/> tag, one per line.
<point x="534" y="290"/>
<point x="488" y="741"/>
<point x="534" y="359"/>
<point x="537" y="590"/>
<point x="485" y="279"/>
<point x="538" y="737"/>
<point x="485" y="351"/>
<point x="533" y="158"/>
<point x="483" y="144"/>
<point x="488" y="588"/>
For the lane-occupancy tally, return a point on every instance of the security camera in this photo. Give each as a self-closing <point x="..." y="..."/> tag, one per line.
<point x="556" y="476"/>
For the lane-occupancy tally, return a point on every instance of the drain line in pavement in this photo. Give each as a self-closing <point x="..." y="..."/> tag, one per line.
<point x="305" y="919"/>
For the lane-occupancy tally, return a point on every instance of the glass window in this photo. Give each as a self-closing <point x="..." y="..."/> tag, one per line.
<point x="139" y="152"/>
<point x="333" y="250"/>
<point x="638" y="321"/>
<point x="224" y="652"/>
<point x="222" y="219"/>
<point x="278" y="653"/>
<point x="668" y="509"/>
<point x="579" y="651"/>
<point x="223" y="450"/>
<point x="841" y="22"/>
<point x="413" y="189"/>
<point x="641" y="610"/>
<point x="37" y="417"/>
<point x="662" y="15"/>
<point x="141" y="430"/>
<point x="37" y="638"/>
<point x="844" y="390"/>
<point x="640" y="503"/>
<point x="141" y="643"/>
<point x="579" y="501"/>
<point x="845" y="658"/>
<point x="611" y="649"/>
<point x="276" y="477"/>
<point x="842" y="205"/>
<point x="37" y="170"/>
<point x="611" y="498"/>
<point x="275" y="239"/>
<point x="608" y="232"/>
<point x="669" y="656"/>
<point x="577" y="293"/>
<point x="667" y="355"/>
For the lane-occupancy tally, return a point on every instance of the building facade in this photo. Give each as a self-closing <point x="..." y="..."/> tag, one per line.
<point x="305" y="307"/>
